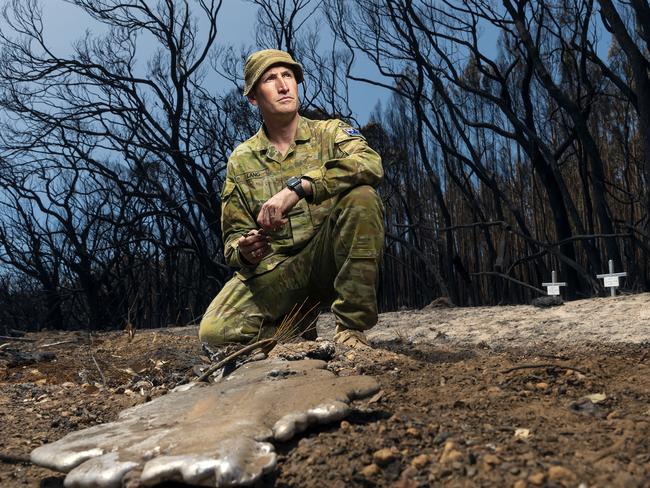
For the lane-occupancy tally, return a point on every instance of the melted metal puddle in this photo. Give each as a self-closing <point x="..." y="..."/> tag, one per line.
<point x="207" y="435"/>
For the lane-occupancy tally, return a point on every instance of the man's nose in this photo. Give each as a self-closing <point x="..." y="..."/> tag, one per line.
<point x="282" y="85"/>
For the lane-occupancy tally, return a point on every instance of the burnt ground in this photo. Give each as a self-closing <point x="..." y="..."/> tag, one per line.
<point x="448" y="414"/>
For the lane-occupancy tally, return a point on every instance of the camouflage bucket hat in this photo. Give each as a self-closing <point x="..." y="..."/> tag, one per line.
<point x="258" y="62"/>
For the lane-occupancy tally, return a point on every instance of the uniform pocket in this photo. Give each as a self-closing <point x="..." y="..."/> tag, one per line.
<point x="257" y="187"/>
<point x="364" y="248"/>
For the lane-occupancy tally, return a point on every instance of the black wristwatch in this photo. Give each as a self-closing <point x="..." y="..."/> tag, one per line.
<point x="294" y="183"/>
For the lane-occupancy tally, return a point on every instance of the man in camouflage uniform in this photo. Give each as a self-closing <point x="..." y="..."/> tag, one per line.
<point x="300" y="216"/>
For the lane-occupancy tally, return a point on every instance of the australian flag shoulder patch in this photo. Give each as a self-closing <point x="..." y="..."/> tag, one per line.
<point x="352" y="132"/>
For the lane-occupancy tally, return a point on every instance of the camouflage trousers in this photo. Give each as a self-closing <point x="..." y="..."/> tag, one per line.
<point x="339" y="265"/>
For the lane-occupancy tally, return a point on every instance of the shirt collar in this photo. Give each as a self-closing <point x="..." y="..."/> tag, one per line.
<point x="303" y="133"/>
<point x="261" y="141"/>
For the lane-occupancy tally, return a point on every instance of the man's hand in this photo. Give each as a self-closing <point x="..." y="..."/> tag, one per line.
<point x="254" y="245"/>
<point x="272" y="216"/>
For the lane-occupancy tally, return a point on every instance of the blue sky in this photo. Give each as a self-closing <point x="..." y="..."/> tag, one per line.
<point x="65" y="23"/>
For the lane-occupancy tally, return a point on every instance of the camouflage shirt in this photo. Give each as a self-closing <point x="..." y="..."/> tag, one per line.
<point x="330" y="154"/>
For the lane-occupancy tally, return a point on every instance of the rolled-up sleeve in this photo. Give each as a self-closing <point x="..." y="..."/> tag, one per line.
<point x="355" y="164"/>
<point x="236" y="220"/>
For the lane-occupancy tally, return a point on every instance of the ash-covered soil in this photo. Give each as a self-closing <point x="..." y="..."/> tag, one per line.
<point x="491" y="396"/>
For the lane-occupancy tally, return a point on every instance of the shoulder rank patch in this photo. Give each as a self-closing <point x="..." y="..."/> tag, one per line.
<point x="352" y="132"/>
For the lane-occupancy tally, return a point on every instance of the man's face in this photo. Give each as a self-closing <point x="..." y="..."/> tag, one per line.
<point x="276" y="92"/>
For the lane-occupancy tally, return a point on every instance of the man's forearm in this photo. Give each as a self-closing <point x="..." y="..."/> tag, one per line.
<point x="338" y="175"/>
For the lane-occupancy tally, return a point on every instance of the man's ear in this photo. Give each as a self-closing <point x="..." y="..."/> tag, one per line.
<point x="251" y="99"/>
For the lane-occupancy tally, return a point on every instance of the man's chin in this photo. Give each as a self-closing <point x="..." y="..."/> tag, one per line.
<point x="288" y="106"/>
<point x="286" y="109"/>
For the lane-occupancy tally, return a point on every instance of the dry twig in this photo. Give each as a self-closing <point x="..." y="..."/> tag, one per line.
<point x="98" y="369"/>
<point x="289" y="328"/>
<point x="265" y="345"/>
<point x="18" y="339"/>
<point x="291" y="324"/>
<point x="90" y="348"/>
<point x="69" y="341"/>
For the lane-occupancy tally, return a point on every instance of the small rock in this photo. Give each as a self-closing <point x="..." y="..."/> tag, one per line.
<point x="345" y="425"/>
<point x="536" y="479"/>
<point x="370" y="471"/>
<point x="519" y="484"/>
<point x="541" y="386"/>
<point x="596" y="397"/>
<point x="420" y="461"/>
<point x="491" y="460"/>
<point x="494" y="391"/>
<point x="450" y="454"/>
<point x="68" y="384"/>
<point x="522" y="433"/>
<point x="412" y="431"/>
<point x="385" y="456"/>
<point x="260" y="356"/>
<point x="89" y="389"/>
<point x="562" y="475"/>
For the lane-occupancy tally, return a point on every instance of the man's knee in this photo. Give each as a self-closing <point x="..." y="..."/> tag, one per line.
<point x="212" y="330"/>
<point x="360" y="221"/>
<point x="363" y="198"/>
<point x="232" y="328"/>
<point x="231" y="317"/>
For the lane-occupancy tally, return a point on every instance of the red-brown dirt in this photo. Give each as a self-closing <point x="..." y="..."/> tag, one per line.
<point x="451" y="412"/>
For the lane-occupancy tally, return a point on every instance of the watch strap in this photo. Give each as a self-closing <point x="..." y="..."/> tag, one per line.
<point x="295" y="184"/>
